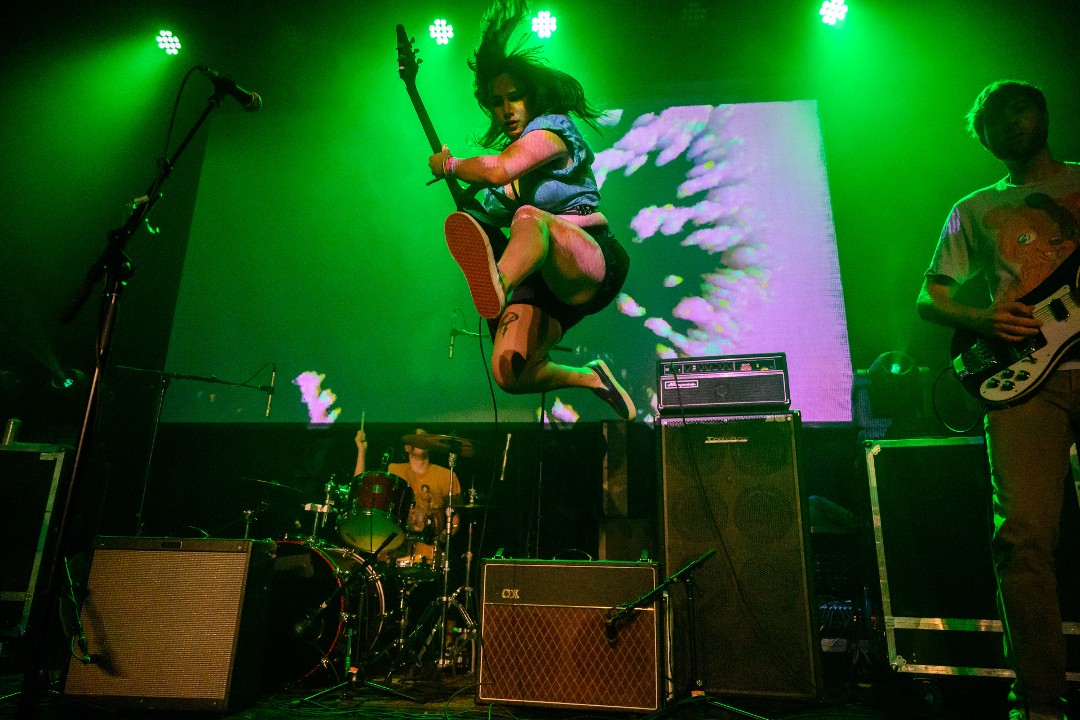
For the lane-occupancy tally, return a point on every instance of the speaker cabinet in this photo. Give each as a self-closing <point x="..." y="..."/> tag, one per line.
<point x="731" y="484"/>
<point x="546" y="640"/>
<point x="173" y="624"/>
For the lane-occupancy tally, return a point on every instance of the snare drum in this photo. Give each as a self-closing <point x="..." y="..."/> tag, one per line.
<point x="377" y="507"/>
<point x="418" y="565"/>
<point x="301" y="638"/>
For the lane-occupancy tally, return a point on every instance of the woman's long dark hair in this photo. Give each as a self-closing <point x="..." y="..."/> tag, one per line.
<point x="546" y="89"/>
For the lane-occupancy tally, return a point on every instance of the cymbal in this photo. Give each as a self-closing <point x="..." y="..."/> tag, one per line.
<point x="269" y="483"/>
<point x="473" y="506"/>
<point x="446" y="443"/>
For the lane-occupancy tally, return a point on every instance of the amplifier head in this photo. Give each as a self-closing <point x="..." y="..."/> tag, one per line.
<point x="728" y="381"/>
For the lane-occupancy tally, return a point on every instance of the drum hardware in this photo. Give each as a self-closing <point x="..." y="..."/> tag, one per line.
<point x="323" y="509"/>
<point x="354" y="675"/>
<point x="433" y="622"/>
<point x="302" y="641"/>
<point x="408" y="585"/>
<point x="347" y="577"/>
<point x="249" y="517"/>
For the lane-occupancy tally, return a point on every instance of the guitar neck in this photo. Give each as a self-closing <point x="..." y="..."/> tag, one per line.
<point x="433" y="140"/>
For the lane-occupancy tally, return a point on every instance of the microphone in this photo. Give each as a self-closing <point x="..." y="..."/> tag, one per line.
<point x="248" y="100"/>
<point x="610" y="628"/>
<point x="301" y="627"/>
<point x="270" y="390"/>
<point x="386" y="460"/>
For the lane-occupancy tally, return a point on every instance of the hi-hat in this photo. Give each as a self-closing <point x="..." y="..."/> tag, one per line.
<point x="445" y="443"/>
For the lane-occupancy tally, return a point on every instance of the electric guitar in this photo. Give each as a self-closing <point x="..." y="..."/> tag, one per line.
<point x="1002" y="373"/>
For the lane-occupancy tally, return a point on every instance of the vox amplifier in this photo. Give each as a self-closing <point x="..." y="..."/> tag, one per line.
<point x="547" y="642"/>
<point x="707" y="384"/>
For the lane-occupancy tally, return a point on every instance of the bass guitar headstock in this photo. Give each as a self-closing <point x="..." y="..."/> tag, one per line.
<point x="408" y="63"/>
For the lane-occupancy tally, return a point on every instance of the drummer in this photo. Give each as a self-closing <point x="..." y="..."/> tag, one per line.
<point x="431" y="487"/>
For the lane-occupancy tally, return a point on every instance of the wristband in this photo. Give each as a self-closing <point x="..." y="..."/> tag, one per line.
<point x="448" y="165"/>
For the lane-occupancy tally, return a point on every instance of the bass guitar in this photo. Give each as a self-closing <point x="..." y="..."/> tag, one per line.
<point x="1001" y="373"/>
<point x="464" y="198"/>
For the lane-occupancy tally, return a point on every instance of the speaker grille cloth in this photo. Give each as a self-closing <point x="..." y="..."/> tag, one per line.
<point x="161" y="624"/>
<point x="560" y="655"/>
<point x="753" y="633"/>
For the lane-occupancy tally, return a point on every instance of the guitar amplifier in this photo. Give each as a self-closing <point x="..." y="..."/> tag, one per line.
<point x="173" y="624"/>
<point x="547" y="641"/>
<point x="708" y="384"/>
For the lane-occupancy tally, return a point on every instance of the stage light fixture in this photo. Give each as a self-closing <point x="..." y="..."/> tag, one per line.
<point x="895" y="385"/>
<point x="833" y="11"/>
<point x="67" y="378"/>
<point x="168" y="42"/>
<point x="543" y="24"/>
<point x="441" y="32"/>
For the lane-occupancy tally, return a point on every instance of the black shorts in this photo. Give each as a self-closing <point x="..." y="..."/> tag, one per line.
<point x="534" y="290"/>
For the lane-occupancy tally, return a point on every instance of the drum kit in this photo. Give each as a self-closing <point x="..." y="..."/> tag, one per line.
<point x="343" y="612"/>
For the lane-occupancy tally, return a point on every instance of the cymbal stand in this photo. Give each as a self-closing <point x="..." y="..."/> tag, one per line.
<point x="467" y="587"/>
<point x="443" y="660"/>
<point x="435" y="613"/>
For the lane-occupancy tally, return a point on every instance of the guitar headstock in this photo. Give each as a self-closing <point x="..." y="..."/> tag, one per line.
<point x="408" y="64"/>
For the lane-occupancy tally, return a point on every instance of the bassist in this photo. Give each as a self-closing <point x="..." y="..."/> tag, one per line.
<point x="1014" y="234"/>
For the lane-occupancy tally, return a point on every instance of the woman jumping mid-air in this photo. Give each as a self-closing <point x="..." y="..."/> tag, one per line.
<point x="561" y="262"/>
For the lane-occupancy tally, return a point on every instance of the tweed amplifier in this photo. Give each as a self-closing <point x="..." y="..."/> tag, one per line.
<point x="688" y="385"/>
<point x="173" y="624"/>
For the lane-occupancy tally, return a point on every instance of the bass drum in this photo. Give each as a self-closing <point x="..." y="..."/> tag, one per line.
<point x="304" y="642"/>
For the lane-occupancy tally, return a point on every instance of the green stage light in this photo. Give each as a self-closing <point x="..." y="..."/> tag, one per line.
<point x="168" y="42"/>
<point x="543" y="24"/>
<point x="441" y="32"/>
<point x="833" y="11"/>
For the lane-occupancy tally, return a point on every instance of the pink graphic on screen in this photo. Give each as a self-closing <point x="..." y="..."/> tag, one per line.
<point x="749" y="246"/>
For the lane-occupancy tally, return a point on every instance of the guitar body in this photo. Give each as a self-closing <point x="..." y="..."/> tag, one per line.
<point x="1001" y="373"/>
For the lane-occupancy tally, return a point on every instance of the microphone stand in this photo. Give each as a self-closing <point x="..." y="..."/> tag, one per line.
<point x="114" y="268"/>
<point x="165" y="377"/>
<point x="620" y="614"/>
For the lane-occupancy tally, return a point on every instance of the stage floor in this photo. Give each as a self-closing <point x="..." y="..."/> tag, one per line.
<point x="440" y="693"/>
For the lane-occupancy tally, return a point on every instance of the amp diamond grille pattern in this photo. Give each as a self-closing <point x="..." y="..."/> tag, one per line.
<point x="561" y="656"/>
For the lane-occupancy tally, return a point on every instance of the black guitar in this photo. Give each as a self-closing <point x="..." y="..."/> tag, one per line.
<point x="1001" y="373"/>
<point x="464" y="198"/>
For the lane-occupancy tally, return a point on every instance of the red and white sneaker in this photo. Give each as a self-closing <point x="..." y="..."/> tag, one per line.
<point x="469" y="245"/>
